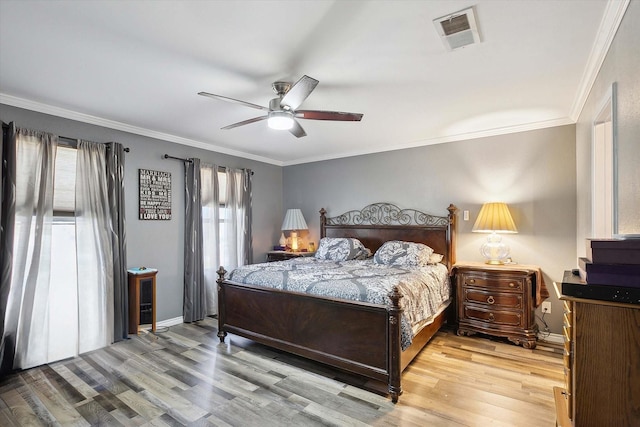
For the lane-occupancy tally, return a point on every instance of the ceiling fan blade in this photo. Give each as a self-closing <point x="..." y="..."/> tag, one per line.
<point x="299" y="92"/>
<point x="246" y="122"/>
<point x="328" y="115"/>
<point x="297" y="130"/>
<point x="235" y="101"/>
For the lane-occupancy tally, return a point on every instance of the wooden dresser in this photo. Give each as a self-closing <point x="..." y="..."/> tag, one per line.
<point x="601" y="363"/>
<point x="498" y="300"/>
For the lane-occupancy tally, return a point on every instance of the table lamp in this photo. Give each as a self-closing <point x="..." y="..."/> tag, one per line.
<point x="494" y="218"/>
<point x="294" y="221"/>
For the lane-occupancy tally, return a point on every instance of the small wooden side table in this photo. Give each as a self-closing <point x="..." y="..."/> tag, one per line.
<point x="142" y="298"/>
<point x="499" y="300"/>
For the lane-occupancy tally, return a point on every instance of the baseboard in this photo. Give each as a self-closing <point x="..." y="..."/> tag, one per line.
<point x="551" y="338"/>
<point x="170" y="322"/>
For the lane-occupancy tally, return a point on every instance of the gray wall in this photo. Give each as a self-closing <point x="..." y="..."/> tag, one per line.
<point x="160" y="243"/>
<point x="534" y="172"/>
<point x="544" y="175"/>
<point x="622" y="66"/>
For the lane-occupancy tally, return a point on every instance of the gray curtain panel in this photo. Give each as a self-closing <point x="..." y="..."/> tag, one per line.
<point x="194" y="303"/>
<point x="7" y="225"/>
<point x="115" y="182"/>
<point x="246" y="204"/>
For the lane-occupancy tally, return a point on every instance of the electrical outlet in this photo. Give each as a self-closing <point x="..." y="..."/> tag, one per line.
<point x="465" y="215"/>
<point x="546" y="307"/>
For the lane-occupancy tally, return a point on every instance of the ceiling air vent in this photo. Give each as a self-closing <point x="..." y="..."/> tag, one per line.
<point x="458" y="29"/>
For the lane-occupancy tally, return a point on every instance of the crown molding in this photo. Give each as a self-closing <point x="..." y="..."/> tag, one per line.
<point x="611" y="20"/>
<point x="15" y="101"/>
<point x="441" y="140"/>
<point x="112" y="124"/>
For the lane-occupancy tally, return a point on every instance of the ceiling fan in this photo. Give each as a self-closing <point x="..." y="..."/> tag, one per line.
<point x="282" y="111"/>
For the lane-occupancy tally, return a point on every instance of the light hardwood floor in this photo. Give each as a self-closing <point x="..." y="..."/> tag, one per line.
<point x="185" y="377"/>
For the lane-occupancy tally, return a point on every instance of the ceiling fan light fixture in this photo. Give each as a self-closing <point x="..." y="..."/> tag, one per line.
<point x="280" y="120"/>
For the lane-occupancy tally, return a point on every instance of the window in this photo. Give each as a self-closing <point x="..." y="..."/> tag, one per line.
<point x="63" y="297"/>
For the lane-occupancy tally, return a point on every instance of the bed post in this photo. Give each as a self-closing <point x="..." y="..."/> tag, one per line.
<point x="395" y="370"/>
<point x="323" y="222"/>
<point x="221" y="307"/>
<point x="453" y="226"/>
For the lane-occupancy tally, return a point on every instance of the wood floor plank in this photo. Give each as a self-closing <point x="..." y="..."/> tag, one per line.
<point x="96" y="415"/>
<point x="61" y="371"/>
<point x="142" y="406"/>
<point x="47" y="402"/>
<point x="20" y="411"/>
<point x="185" y="376"/>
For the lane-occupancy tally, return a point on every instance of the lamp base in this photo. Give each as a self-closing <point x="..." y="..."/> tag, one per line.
<point x="494" y="251"/>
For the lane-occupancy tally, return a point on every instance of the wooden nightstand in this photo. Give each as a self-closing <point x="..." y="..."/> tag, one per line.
<point x="284" y="255"/>
<point x="499" y="300"/>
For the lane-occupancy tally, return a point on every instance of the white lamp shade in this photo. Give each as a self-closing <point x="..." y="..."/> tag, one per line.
<point x="293" y="220"/>
<point x="494" y="217"/>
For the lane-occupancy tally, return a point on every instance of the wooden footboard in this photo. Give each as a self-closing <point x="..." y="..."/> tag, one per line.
<point x="357" y="337"/>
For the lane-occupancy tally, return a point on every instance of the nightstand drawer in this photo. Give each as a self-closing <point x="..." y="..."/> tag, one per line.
<point x="505" y="318"/>
<point x="494" y="299"/>
<point x="499" y="283"/>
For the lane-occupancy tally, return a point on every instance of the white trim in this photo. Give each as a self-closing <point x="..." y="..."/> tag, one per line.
<point x="169" y="322"/>
<point x="603" y="200"/>
<point x="86" y="118"/>
<point x="112" y="124"/>
<point x="440" y="140"/>
<point x="550" y="338"/>
<point x="613" y="15"/>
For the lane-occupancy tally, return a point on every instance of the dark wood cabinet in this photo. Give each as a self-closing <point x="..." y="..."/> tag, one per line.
<point x="601" y="364"/>
<point x="142" y="299"/>
<point x="497" y="300"/>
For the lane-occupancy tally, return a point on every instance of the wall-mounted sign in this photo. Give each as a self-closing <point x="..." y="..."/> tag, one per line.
<point x="155" y="194"/>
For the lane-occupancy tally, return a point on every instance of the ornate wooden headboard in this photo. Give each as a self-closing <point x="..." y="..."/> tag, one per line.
<point x="380" y="222"/>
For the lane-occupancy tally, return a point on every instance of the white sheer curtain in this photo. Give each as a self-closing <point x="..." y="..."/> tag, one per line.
<point x="52" y="312"/>
<point x="94" y="252"/>
<point x="26" y="334"/>
<point x="210" y="234"/>
<point x="226" y="208"/>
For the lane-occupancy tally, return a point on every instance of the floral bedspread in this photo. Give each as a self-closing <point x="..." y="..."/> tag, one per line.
<point x="425" y="289"/>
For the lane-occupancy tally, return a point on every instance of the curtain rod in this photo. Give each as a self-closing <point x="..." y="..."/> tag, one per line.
<point x="67" y="141"/>
<point x="166" y="156"/>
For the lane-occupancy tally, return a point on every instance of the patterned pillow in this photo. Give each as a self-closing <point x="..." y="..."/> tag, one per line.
<point x="435" y="258"/>
<point x="406" y="254"/>
<point x="341" y="249"/>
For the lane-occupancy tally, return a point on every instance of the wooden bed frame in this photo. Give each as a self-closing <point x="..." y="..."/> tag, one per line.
<point x="358" y="337"/>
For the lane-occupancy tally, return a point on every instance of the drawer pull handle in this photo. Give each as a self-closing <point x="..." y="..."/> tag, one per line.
<point x="491" y="317"/>
<point x="512" y="285"/>
<point x="472" y="280"/>
<point x="491" y="300"/>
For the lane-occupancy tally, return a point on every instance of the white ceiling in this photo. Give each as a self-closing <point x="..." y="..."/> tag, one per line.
<point x="138" y="65"/>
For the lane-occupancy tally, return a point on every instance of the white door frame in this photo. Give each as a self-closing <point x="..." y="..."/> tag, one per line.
<point x="603" y="177"/>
